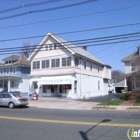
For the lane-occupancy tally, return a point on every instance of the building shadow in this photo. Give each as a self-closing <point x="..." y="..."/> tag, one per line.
<point x="84" y="134"/>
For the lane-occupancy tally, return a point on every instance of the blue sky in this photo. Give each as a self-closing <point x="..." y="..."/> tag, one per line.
<point x="111" y="56"/>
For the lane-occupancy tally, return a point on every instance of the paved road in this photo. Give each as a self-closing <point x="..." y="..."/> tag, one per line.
<point x="47" y="124"/>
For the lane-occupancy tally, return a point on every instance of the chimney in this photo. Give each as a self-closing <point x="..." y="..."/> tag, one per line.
<point x="85" y="48"/>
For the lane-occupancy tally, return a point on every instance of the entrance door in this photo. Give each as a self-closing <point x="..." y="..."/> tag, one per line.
<point x="55" y="91"/>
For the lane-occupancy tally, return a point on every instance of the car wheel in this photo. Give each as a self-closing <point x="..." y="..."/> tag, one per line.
<point x="11" y="105"/>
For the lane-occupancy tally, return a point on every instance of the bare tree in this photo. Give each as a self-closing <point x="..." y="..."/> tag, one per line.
<point x="117" y="76"/>
<point x="27" y="49"/>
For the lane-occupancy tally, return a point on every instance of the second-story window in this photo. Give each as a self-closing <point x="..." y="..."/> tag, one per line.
<point x="36" y="65"/>
<point x="76" y="61"/>
<point x="66" y="61"/>
<point x="91" y="66"/>
<point x="55" y="63"/>
<point x="85" y="64"/>
<point x="132" y="66"/>
<point x="1" y="71"/>
<point x="14" y="69"/>
<point x="7" y="70"/>
<point x="45" y="64"/>
<point x="98" y="68"/>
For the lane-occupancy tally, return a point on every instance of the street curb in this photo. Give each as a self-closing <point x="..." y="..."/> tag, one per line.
<point x="114" y="109"/>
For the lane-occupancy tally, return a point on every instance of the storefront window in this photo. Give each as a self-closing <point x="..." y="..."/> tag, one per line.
<point x="54" y="88"/>
<point x="45" y="88"/>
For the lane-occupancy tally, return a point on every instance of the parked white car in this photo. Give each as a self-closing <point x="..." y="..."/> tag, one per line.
<point x="12" y="99"/>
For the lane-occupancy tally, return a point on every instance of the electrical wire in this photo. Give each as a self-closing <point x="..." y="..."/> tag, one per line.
<point x="15" y="50"/>
<point x="29" y="37"/>
<point x="116" y="52"/>
<point x="48" y="9"/>
<point x="28" y="5"/>
<point x="89" y="40"/>
<point x="89" y="14"/>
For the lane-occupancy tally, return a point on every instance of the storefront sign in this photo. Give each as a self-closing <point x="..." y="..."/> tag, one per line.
<point x="54" y="81"/>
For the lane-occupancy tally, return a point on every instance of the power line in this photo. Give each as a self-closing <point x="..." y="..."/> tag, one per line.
<point x="117" y="51"/>
<point x="16" y="50"/>
<point x="28" y="5"/>
<point x="49" y="9"/>
<point x="29" y="37"/>
<point x="90" y="40"/>
<point x="89" y="14"/>
<point x="107" y="47"/>
<point x="121" y="54"/>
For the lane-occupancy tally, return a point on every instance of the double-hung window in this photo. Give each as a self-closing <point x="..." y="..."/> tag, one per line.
<point x="36" y="65"/>
<point x="55" y="63"/>
<point x="98" y="85"/>
<point x="7" y="70"/>
<point x="66" y="61"/>
<point x="45" y="64"/>
<point x="91" y="66"/>
<point x="85" y="64"/>
<point x="1" y="71"/>
<point x="76" y="61"/>
<point x="14" y="69"/>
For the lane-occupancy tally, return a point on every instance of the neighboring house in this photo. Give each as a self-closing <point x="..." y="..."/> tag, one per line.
<point x="59" y="68"/>
<point x="14" y="74"/>
<point x="132" y="70"/>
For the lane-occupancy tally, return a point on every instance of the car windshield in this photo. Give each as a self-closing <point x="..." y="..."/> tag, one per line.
<point x="16" y="95"/>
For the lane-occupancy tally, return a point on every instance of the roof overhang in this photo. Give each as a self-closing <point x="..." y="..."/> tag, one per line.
<point x="10" y="77"/>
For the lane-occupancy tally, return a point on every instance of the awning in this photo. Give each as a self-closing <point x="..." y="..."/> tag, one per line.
<point x="56" y="80"/>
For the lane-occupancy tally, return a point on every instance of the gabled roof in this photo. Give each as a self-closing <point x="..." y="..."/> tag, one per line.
<point x="129" y="57"/>
<point x="71" y="47"/>
<point x="22" y="61"/>
<point x="78" y="50"/>
<point x="12" y="57"/>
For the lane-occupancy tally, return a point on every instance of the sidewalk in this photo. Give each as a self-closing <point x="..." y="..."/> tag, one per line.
<point x="68" y="104"/>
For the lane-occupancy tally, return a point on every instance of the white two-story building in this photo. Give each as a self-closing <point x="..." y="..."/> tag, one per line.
<point x="59" y="68"/>
<point x="132" y="70"/>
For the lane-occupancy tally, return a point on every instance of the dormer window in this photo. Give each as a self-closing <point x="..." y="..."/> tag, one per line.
<point x="51" y="47"/>
<point x="10" y="61"/>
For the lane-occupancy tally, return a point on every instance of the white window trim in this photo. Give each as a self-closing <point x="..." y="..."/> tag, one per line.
<point x="45" y="63"/>
<point x="15" y="70"/>
<point x="55" y="63"/>
<point x="66" y="62"/>
<point x="8" y="71"/>
<point x="131" y="67"/>
<point x="39" y="66"/>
